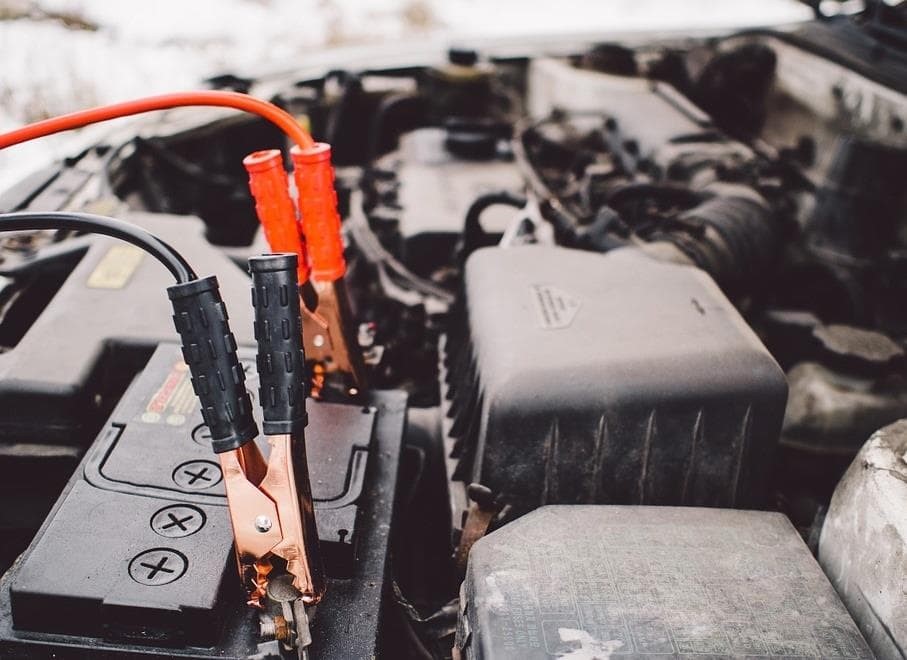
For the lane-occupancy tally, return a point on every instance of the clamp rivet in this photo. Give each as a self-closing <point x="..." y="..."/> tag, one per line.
<point x="263" y="524"/>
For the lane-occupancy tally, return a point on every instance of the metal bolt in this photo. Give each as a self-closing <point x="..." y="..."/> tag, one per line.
<point x="276" y="628"/>
<point x="263" y="524"/>
<point x="366" y="335"/>
<point x="268" y="629"/>
<point x="318" y="340"/>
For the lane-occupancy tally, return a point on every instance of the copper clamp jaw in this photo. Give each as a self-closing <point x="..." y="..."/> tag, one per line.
<point x="270" y="500"/>
<point x="328" y="336"/>
<point x="272" y="514"/>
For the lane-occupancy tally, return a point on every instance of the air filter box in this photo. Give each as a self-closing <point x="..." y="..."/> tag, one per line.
<point x="640" y="582"/>
<point x="577" y="377"/>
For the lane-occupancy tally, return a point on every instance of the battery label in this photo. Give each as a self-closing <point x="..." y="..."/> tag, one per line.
<point x="174" y="401"/>
<point x="116" y="267"/>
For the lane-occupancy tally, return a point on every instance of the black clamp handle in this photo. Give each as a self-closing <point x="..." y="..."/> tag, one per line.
<point x="209" y="349"/>
<point x="278" y="331"/>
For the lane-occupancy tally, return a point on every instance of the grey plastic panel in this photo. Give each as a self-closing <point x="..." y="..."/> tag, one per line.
<point x="585" y="582"/>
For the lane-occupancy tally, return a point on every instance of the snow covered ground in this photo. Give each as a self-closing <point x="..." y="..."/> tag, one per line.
<point x="50" y="66"/>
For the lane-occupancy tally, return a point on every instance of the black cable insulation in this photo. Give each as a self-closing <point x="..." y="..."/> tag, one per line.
<point x="474" y="235"/>
<point x="98" y="224"/>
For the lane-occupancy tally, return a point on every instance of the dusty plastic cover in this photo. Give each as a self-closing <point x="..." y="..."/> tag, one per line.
<point x="583" y="378"/>
<point x="583" y="582"/>
<point x="863" y="540"/>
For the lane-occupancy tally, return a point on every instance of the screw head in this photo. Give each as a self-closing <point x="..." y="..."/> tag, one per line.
<point x="263" y="524"/>
<point x="318" y="340"/>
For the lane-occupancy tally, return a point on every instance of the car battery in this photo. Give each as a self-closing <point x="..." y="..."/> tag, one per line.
<point x="86" y="315"/>
<point x="136" y="557"/>
<point x="596" y="581"/>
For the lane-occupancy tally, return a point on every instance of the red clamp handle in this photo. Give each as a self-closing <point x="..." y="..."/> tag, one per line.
<point x="318" y="210"/>
<point x="269" y="185"/>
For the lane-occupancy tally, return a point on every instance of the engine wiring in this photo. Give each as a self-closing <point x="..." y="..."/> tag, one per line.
<point x="474" y="235"/>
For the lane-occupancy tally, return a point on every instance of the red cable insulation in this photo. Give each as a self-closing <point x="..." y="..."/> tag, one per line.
<point x="269" y="111"/>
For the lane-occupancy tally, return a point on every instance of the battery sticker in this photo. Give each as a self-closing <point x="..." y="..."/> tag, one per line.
<point x="554" y="307"/>
<point x="116" y="267"/>
<point x="174" y="401"/>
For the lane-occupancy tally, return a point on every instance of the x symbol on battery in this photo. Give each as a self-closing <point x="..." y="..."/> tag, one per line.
<point x="177" y="522"/>
<point x="195" y="476"/>
<point x="157" y="568"/>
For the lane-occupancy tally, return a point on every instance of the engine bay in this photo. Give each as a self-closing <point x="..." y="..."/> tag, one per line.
<point x="610" y="362"/>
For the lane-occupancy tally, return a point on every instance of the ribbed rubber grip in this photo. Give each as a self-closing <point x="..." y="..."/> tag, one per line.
<point x="314" y="178"/>
<point x="210" y="351"/>
<point x="278" y="331"/>
<point x="269" y="186"/>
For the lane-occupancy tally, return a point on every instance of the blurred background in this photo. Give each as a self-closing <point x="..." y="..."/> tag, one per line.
<point x="62" y="55"/>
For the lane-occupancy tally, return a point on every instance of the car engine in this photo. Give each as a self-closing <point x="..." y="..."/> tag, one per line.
<point x="598" y="349"/>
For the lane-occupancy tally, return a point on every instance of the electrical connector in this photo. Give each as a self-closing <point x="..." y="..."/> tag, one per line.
<point x="314" y="178"/>
<point x="269" y="185"/>
<point x="317" y="202"/>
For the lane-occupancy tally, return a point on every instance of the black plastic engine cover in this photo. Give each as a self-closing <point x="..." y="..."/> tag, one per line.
<point x="431" y="191"/>
<point x="642" y="582"/>
<point x="137" y="554"/>
<point x="577" y="377"/>
<point x="103" y="322"/>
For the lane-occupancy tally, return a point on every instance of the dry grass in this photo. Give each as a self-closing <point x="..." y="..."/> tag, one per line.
<point x="13" y="10"/>
<point x="419" y="16"/>
<point x="34" y="102"/>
